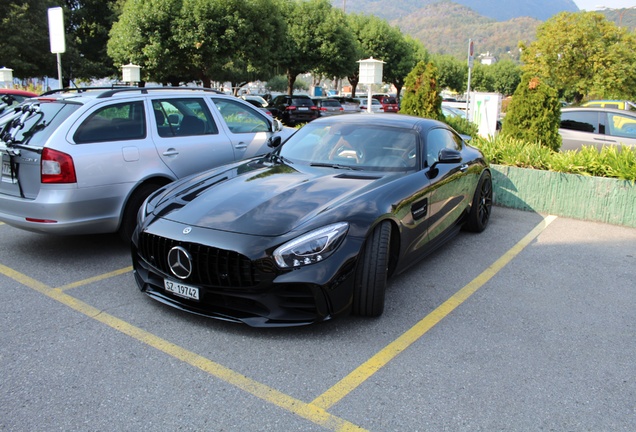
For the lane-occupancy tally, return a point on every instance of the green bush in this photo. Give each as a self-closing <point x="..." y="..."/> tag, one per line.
<point x="462" y="125"/>
<point x="611" y="161"/>
<point x="421" y="95"/>
<point x="534" y="113"/>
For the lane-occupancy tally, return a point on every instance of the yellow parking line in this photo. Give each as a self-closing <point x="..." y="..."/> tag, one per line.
<point x="302" y="409"/>
<point x="379" y="360"/>
<point x="95" y="279"/>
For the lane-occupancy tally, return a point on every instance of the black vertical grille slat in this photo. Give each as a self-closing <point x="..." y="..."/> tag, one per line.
<point x="211" y="266"/>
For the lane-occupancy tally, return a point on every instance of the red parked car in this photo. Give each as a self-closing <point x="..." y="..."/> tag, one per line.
<point x="389" y="103"/>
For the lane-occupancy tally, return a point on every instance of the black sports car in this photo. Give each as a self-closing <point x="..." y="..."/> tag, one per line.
<point x="313" y="229"/>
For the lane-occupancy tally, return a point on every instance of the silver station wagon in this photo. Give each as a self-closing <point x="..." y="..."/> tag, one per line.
<point x="83" y="161"/>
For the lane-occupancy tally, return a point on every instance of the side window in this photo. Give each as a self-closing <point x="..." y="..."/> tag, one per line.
<point x="183" y="117"/>
<point x="438" y="139"/>
<point x="240" y="118"/>
<point x="119" y="122"/>
<point x="582" y="121"/>
<point x="622" y="125"/>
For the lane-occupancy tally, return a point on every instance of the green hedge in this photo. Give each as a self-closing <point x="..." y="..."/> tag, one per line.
<point x="611" y="161"/>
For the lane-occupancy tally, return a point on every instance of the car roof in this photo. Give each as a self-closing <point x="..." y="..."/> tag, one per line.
<point x="389" y="119"/>
<point x="600" y="109"/>
<point x="17" y="92"/>
<point x="84" y="94"/>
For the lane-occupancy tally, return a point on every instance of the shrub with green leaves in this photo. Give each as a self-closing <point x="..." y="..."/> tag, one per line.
<point x="421" y="96"/>
<point x="534" y="113"/>
<point x="612" y="161"/>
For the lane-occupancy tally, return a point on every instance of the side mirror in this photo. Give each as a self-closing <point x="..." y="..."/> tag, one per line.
<point x="277" y="125"/>
<point x="445" y="156"/>
<point x="274" y="141"/>
<point x="449" y="156"/>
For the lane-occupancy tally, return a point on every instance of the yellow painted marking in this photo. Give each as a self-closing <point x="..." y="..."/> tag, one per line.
<point x="95" y="279"/>
<point x="302" y="409"/>
<point x="315" y="411"/>
<point x="379" y="360"/>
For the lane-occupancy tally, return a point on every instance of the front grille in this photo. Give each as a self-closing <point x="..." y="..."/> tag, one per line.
<point x="210" y="266"/>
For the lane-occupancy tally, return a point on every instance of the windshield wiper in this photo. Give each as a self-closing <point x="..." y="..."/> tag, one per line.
<point x="336" y="166"/>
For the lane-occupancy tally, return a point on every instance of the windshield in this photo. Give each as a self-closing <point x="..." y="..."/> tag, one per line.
<point x="361" y="147"/>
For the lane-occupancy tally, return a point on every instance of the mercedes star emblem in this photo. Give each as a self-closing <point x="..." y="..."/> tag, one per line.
<point x="180" y="262"/>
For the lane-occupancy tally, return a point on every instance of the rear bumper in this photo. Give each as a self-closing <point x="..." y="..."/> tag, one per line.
<point x="66" y="211"/>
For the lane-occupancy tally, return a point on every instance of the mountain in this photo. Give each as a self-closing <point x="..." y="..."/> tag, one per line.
<point x="499" y="10"/>
<point x="445" y="28"/>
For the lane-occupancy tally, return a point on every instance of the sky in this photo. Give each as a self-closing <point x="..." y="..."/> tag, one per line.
<point x="590" y="5"/>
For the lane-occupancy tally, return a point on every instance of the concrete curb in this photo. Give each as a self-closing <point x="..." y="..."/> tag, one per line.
<point x="570" y="195"/>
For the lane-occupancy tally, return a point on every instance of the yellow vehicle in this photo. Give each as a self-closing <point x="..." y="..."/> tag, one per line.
<point x="617" y="104"/>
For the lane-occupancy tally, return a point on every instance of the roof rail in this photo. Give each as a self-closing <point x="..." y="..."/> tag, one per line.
<point x="112" y="90"/>
<point x="78" y="90"/>
<point x="144" y="90"/>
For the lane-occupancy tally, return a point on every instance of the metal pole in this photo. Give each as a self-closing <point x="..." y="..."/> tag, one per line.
<point x="59" y="69"/>
<point x="470" y="68"/>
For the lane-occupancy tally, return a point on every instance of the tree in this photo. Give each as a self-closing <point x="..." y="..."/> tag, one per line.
<point x="583" y="54"/>
<point x="88" y="23"/>
<point x="534" y="113"/>
<point x="230" y="40"/>
<point x="421" y="97"/>
<point x="24" y="45"/>
<point x="338" y="50"/>
<point x="145" y="34"/>
<point x="312" y="36"/>
<point x="453" y="73"/>
<point x="377" y="39"/>
<point x="506" y="75"/>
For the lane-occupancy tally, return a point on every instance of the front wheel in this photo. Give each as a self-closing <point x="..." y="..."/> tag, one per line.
<point x="482" y="205"/>
<point x="372" y="272"/>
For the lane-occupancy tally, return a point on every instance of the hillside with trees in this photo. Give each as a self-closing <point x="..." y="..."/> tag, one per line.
<point x="445" y="28"/>
<point x="499" y="10"/>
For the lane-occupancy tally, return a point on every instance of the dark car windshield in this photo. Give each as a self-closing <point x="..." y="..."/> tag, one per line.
<point x="39" y="126"/>
<point x="302" y="102"/>
<point x="368" y="147"/>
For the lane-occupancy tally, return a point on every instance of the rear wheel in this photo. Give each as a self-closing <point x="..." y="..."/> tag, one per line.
<point x="129" y="219"/>
<point x="371" y="273"/>
<point x="482" y="205"/>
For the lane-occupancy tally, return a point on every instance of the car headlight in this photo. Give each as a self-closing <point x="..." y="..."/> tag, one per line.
<point x="312" y="247"/>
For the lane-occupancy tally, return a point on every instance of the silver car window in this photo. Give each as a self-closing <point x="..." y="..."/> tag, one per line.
<point x="177" y="117"/>
<point x="240" y="118"/>
<point x="118" y="122"/>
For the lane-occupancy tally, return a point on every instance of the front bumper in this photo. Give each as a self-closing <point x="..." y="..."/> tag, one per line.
<point x="241" y="283"/>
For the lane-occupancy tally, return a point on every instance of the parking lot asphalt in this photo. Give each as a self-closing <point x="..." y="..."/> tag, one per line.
<point x="528" y="326"/>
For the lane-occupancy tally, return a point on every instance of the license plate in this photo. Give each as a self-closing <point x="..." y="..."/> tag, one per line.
<point x="6" y="169"/>
<point x="181" y="290"/>
<point x="303" y="109"/>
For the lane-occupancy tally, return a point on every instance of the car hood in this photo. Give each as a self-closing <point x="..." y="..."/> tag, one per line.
<point x="264" y="200"/>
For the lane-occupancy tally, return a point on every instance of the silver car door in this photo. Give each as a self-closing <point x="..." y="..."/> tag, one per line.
<point x="247" y="128"/>
<point x="187" y="137"/>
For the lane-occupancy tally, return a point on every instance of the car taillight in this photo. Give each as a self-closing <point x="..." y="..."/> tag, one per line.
<point x="57" y="167"/>
<point x="290" y="108"/>
<point x="314" y="108"/>
<point x="323" y="109"/>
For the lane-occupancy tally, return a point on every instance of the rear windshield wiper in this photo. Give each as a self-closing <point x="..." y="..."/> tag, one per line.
<point x="336" y="166"/>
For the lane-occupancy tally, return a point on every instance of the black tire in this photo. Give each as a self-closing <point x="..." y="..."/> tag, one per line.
<point x="372" y="272"/>
<point x="482" y="205"/>
<point x="129" y="218"/>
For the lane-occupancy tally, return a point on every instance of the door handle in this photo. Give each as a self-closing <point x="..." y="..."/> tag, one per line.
<point x="240" y="146"/>
<point x="171" y="152"/>
<point x="463" y="168"/>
